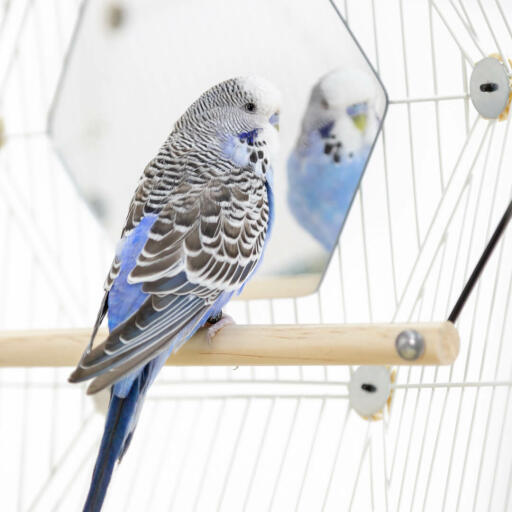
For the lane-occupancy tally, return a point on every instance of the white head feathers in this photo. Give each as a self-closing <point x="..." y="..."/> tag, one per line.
<point x="345" y="99"/>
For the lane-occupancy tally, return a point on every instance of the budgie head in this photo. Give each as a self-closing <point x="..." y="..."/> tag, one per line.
<point x="342" y="113"/>
<point x="239" y="117"/>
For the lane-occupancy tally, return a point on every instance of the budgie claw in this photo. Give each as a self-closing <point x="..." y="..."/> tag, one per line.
<point x="217" y="325"/>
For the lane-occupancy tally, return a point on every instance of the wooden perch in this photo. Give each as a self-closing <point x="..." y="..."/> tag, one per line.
<point x="238" y="345"/>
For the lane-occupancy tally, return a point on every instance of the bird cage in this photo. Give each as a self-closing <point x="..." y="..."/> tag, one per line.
<point x="282" y="435"/>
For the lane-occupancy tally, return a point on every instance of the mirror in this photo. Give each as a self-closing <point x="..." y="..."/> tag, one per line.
<point x="134" y="67"/>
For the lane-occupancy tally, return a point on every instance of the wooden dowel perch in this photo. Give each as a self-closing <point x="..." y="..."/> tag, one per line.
<point x="237" y="345"/>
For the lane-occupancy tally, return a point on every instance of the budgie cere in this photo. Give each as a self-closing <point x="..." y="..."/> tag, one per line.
<point x="326" y="164"/>
<point x="195" y="233"/>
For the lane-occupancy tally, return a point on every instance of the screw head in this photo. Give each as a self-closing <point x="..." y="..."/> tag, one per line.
<point x="410" y="345"/>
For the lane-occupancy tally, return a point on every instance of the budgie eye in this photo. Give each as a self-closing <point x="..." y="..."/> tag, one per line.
<point x="324" y="103"/>
<point x="250" y="107"/>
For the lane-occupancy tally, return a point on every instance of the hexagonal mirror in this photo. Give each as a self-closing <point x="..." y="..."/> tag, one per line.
<point x="134" y="67"/>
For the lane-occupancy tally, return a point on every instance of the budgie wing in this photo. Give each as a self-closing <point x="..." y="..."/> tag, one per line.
<point x="205" y="241"/>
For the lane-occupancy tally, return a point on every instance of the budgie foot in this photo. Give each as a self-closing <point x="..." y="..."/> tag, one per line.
<point x="215" y="324"/>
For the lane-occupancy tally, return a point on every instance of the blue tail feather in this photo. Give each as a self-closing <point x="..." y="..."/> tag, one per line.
<point x="117" y="431"/>
<point x="126" y="400"/>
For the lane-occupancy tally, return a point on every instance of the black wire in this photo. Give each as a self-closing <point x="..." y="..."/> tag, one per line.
<point x="466" y="292"/>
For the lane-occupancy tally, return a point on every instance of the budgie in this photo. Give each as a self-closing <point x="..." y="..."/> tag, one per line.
<point x="195" y="233"/>
<point x="327" y="162"/>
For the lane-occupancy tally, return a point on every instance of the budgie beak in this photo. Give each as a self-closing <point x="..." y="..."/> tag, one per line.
<point x="274" y="120"/>
<point x="358" y="113"/>
<point x="360" y="121"/>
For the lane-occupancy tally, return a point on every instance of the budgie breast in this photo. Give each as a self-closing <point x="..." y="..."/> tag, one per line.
<point x="321" y="190"/>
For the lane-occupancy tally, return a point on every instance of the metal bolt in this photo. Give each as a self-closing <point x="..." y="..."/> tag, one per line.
<point x="410" y="345"/>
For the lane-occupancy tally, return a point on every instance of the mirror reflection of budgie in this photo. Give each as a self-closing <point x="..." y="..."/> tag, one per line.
<point x="324" y="169"/>
<point x="195" y="233"/>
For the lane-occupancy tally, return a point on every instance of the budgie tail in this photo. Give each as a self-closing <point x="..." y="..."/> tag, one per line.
<point x="116" y="437"/>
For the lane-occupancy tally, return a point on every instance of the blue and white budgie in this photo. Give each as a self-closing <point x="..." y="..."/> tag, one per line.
<point x="195" y="233"/>
<point x="325" y="167"/>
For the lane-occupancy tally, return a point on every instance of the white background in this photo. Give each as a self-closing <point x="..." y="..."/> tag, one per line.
<point x="280" y="438"/>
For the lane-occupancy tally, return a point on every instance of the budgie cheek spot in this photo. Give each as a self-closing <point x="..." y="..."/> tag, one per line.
<point x="248" y="137"/>
<point x="325" y="131"/>
<point x="369" y="390"/>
